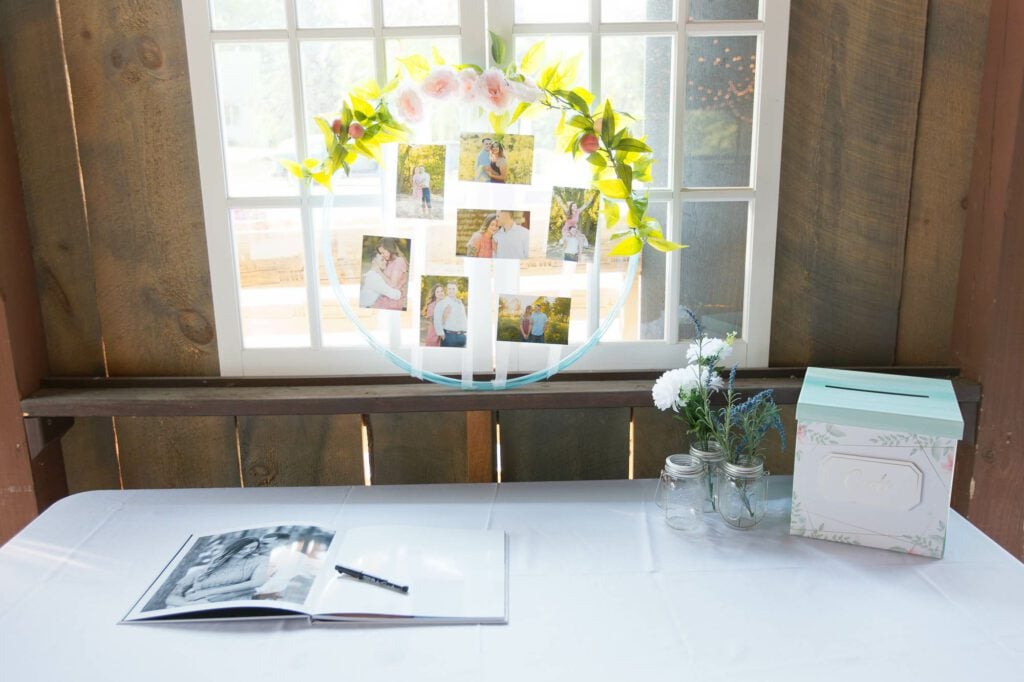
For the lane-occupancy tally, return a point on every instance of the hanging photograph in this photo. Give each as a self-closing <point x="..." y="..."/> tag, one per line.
<point x="482" y="233"/>
<point x="385" y="273"/>
<point x="497" y="159"/>
<point x="533" y="319"/>
<point x="572" y="229"/>
<point x="420" y="189"/>
<point x="443" y="318"/>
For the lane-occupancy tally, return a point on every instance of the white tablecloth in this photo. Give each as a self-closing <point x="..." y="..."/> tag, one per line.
<point x="600" y="589"/>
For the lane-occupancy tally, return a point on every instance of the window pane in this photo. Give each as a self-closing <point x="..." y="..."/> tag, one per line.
<point x="419" y="13"/>
<point x="631" y="10"/>
<point x="551" y="165"/>
<point x="330" y="68"/>
<point x="441" y="119"/>
<point x="347" y="14"/>
<point x="247" y="14"/>
<point x="254" y="84"/>
<point x="643" y="314"/>
<point x="547" y="12"/>
<point x="719" y="117"/>
<point x="634" y="74"/>
<point x="271" y="275"/>
<point x="713" y="267"/>
<point x="716" y="10"/>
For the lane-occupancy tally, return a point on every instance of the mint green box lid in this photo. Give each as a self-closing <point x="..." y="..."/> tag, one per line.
<point x="887" y="402"/>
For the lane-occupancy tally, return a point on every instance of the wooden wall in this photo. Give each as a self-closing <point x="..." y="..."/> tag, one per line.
<point x="988" y="338"/>
<point x="881" y="108"/>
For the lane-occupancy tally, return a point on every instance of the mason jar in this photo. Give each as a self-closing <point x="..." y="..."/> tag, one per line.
<point x="684" y="489"/>
<point x="711" y="454"/>
<point x="742" y="492"/>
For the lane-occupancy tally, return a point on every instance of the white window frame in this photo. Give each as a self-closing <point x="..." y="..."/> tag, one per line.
<point x="476" y="16"/>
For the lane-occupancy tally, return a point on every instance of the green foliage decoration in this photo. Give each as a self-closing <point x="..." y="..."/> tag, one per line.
<point x="594" y="130"/>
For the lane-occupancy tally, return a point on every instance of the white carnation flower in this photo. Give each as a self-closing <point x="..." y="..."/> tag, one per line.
<point x="707" y="348"/>
<point x="667" y="387"/>
<point x="670" y="385"/>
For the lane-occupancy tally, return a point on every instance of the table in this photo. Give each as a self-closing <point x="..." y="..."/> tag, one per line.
<point x="600" y="589"/>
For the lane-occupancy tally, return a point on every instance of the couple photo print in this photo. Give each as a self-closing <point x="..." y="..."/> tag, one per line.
<point x="483" y="233"/>
<point x="572" y="229"/>
<point x="385" y="273"/>
<point x="497" y="159"/>
<point x="533" y="319"/>
<point x="444" y="318"/>
<point x="420" y="190"/>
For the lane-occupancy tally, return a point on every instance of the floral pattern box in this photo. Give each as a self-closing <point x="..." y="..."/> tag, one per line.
<point x="874" y="460"/>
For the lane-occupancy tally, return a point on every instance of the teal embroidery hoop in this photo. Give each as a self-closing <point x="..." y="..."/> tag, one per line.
<point x="475" y="385"/>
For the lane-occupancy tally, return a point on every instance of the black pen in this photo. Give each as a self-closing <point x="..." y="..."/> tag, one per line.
<point x="373" y="580"/>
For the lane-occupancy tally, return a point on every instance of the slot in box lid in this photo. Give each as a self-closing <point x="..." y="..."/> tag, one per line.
<point x="881" y="401"/>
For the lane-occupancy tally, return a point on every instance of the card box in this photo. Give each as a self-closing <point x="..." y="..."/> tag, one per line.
<point x="874" y="460"/>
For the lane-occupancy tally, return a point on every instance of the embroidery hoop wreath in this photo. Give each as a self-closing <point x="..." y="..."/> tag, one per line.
<point x="372" y="115"/>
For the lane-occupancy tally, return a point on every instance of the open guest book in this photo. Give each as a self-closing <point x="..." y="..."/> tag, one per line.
<point x="392" y="574"/>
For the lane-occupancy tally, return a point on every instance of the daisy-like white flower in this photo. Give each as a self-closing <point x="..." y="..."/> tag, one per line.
<point x="699" y="375"/>
<point x="707" y="348"/>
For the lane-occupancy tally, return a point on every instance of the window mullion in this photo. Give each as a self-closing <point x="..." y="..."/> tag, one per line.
<point x="674" y="259"/>
<point x="308" y="239"/>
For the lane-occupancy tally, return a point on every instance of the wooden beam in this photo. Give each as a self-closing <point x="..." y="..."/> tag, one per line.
<point x="33" y="57"/>
<point x="128" y="75"/>
<point x="989" y="326"/>
<point x="31" y="476"/>
<point x="954" y="59"/>
<point x="852" y="91"/>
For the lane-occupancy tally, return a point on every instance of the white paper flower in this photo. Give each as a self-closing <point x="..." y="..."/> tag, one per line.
<point x="467" y="84"/>
<point x="526" y="91"/>
<point x="707" y="348"/>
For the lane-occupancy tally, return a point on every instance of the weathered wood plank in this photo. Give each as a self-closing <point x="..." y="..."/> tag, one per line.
<point x="128" y="74"/>
<point x="18" y="504"/>
<point x="989" y="325"/>
<point x="195" y="452"/>
<point x="953" y="62"/>
<point x="90" y="456"/>
<point x="564" y="445"/>
<point x="852" y="92"/>
<point x="480" y="447"/>
<point x="301" y="450"/>
<point x="656" y="435"/>
<point x="40" y="108"/>
<point x="418" y="447"/>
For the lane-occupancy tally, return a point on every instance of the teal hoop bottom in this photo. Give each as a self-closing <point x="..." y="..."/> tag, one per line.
<point x="492" y="385"/>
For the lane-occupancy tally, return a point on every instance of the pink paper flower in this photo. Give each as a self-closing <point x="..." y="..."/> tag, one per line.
<point x="467" y="84"/>
<point x="949" y="462"/>
<point x="442" y="83"/>
<point x="493" y="92"/>
<point x="407" y="105"/>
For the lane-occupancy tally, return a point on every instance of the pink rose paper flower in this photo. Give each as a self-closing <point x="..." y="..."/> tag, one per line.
<point x="493" y="92"/>
<point x="467" y="84"/>
<point x="442" y="83"/>
<point x="407" y="105"/>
